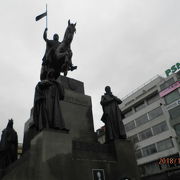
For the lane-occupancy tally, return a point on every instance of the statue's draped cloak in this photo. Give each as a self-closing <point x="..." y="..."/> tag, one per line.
<point x="112" y="117"/>
<point x="47" y="112"/>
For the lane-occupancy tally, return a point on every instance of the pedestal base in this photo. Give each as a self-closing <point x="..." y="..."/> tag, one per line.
<point x="54" y="156"/>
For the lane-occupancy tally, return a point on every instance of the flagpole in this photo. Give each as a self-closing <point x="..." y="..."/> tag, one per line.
<point x="46" y="17"/>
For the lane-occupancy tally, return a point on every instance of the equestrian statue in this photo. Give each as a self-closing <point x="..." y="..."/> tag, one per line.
<point x="58" y="55"/>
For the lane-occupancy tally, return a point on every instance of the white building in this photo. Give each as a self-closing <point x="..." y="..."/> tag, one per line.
<point x="152" y="121"/>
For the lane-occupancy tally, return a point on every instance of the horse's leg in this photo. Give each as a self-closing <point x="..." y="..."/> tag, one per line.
<point x="65" y="73"/>
<point x="65" y="67"/>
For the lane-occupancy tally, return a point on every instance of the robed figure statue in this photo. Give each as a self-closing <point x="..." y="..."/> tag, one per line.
<point x="112" y="116"/>
<point x="47" y="113"/>
<point x="8" y="146"/>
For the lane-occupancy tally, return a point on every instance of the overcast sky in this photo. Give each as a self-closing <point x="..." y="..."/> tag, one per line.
<point x="121" y="43"/>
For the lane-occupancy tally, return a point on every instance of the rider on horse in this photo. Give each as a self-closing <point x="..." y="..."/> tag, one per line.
<point x="58" y="55"/>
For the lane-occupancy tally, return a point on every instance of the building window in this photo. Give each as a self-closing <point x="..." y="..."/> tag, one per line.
<point x="172" y="97"/>
<point x="175" y="112"/>
<point x="129" y="126"/>
<point x="145" y="134"/>
<point x="160" y="128"/>
<point x="153" y="98"/>
<point x="138" y="154"/>
<point x="139" y="106"/>
<point x="141" y="120"/>
<point x="155" y="113"/>
<point x="177" y="129"/>
<point x="165" y="144"/>
<point x="167" y="84"/>
<point x="150" y="168"/>
<point x="148" y="150"/>
<point x="128" y="113"/>
<point x="134" y="138"/>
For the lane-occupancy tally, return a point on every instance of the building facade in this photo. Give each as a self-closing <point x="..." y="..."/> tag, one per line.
<point x="152" y="122"/>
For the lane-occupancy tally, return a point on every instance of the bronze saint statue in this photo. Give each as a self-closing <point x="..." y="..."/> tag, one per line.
<point x="112" y="116"/>
<point x="51" y="46"/>
<point x="47" y="113"/>
<point x="8" y="146"/>
<point x="58" y="55"/>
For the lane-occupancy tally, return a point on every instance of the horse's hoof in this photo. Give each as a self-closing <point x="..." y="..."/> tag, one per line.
<point x="73" y="68"/>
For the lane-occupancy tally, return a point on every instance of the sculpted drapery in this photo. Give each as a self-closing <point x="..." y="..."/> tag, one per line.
<point x="47" y="109"/>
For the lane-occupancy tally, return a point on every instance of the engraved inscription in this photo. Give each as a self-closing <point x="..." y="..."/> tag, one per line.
<point x="82" y="146"/>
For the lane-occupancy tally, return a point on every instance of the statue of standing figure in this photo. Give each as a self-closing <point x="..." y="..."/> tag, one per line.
<point x="47" y="110"/>
<point x="8" y="146"/>
<point x="58" y="55"/>
<point x="112" y="116"/>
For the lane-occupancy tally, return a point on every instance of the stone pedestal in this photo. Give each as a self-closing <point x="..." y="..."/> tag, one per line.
<point x="1" y="173"/>
<point x="73" y="155"/>
<point x="126" y="157"/>
<point x="50" y="152"/>
<point x="55" y="156"/>
<point x="76" y="110"/>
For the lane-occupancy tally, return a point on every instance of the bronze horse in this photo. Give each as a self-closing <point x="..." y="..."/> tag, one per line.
<point x="63" y="53"/>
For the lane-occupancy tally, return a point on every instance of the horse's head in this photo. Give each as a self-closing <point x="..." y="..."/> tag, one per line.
<point x="69" y="34"/>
